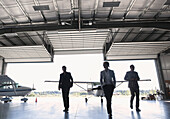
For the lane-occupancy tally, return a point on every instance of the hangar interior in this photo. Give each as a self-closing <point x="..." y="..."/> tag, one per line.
<point x="36" y="30"/>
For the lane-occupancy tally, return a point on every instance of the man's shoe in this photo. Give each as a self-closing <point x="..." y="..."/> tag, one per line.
<point x="138" y="110"/>
<point x="110" y="116"/>
<point x="65" y="110"/>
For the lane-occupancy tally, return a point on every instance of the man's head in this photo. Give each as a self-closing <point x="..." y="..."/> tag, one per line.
<point x="132" y="67"/>
<point x="106" y="65"/>
<point x="64" y="68"/>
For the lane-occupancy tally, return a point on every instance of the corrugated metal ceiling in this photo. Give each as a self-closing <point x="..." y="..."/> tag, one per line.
<point x="20" y="24"/>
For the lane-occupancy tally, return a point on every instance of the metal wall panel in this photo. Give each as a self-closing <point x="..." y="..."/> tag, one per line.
<point x="165" y="63"/>
<point x="1" y="64"/>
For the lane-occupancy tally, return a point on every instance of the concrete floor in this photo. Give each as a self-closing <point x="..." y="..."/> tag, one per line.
<point x="51" y="108"/>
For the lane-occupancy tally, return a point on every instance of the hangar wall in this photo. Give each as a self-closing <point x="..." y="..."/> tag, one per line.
<point x="165" y="69"/>
<point x="3" y="66"/>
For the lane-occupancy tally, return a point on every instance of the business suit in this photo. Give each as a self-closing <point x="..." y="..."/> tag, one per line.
<point x="108" y="83"/>
<point x="65" y="83"/>
<point x="133" y="78"/>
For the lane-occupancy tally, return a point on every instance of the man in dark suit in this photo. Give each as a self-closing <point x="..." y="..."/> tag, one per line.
<point x="108" y="83"/>
<point x="133" y="78"/>
<point x="65" y="83"/>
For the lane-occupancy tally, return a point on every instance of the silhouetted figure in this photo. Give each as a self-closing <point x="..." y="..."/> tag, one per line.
<point x="108" y="83"/>
<point x="133" y="78"/>
<point x="65" y="83"/>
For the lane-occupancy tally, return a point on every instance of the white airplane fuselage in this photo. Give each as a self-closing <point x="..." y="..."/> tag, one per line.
<point x="20" y="91"/>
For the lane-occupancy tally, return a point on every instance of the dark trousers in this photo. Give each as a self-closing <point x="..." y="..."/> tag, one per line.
<point x="108" y="91"/>
<point x="65" y="94"/>
<point x="134" y="91"/>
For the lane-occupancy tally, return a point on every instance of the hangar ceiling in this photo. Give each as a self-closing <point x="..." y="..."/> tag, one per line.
<point x="121" y="29"/>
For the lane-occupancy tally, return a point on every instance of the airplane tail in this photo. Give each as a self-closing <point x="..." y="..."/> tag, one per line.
<point x="33" y="87"/>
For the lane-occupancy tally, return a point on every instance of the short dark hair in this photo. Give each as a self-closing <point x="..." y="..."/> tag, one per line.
<point x="64" y="67"/>
<point x="106" y="63"/>
<point x="132" y="66"/>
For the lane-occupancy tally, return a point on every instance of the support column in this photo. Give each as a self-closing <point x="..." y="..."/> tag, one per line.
<point x="163" y="67"/>
<point x="3" y="66"/>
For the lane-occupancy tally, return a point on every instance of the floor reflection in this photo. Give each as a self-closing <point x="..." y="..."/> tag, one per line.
<point x="133" y="116"/>
<point x="66" y="115"/>
<point x="51" y="108"/>
<point x="138" y="115"/>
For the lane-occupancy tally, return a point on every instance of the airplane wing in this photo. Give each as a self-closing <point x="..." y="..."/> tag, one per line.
<point x="94" y="82"/>
<point x="86" y="82"/>
<point x="120" y="82"/>
<point x="78" y="82"/>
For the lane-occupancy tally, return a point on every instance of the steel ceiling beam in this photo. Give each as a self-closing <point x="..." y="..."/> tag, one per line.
<point x="57" y="10"/>
<point x="146" y="9"/>
<point x="8" y="39"/>
<point x="79" y="14"/>
<point x="23" y="10"/>
<point x="166" y="7"/>
<point x="8" y="12"/>
<point x="95" y="9"/>
<point x="161" y="35"/>
<point x="23" y="43"/>
<point x="127" y="34"/>
<point x="48" y="46"/>
<point x="168" y="39"/>
<point x="107" y="46"/>
<point x="137" y="36"/>
<point x="72" y="8"/>
<point x="129" y="8"/>
<point x="36" y="2"/>
<point x="2" y="44"/>
<point x="150" y="35"/>
<point x="110" y="13"/>
<point x="30" y="38"/>
<point x="74" y="26"/>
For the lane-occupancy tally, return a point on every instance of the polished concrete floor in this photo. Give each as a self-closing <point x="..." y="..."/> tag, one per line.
<point x="51" y="108"/>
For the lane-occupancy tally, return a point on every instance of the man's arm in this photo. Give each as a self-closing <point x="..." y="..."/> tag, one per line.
<point x="114" y="79"/>
<point x="60" y="83"/>
<point x="71" y="78"/>
<point x="101" y="79"/>
<point x="126" y="77"/>
<point x="137" y="77"/>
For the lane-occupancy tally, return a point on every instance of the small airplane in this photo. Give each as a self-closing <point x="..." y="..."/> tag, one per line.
<point x="95" y="87"/>
<point x="9" y="88"/>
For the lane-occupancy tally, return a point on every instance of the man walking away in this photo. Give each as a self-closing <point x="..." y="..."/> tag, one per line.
<point x="133" y="78"/>
<point x="65" y="83"/>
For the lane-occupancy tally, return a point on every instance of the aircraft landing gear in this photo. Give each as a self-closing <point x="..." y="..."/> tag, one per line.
<point x="101" y="100"/>
<point x="86" y="100"/>
<point x="6" y="99"/>
<point x="24" y="99"/>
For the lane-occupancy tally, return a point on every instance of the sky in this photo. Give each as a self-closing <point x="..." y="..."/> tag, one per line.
<point x="85" y="67"/>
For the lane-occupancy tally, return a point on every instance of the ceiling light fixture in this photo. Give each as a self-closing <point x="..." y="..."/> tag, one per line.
<point x="41" y="7"/>
<point x="111" y="4"/>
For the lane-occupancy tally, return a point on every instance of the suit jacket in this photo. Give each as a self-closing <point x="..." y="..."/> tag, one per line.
<point x="130" y="75"/>
<point x="103" y="78"/>
<point x="66" y="80"/>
